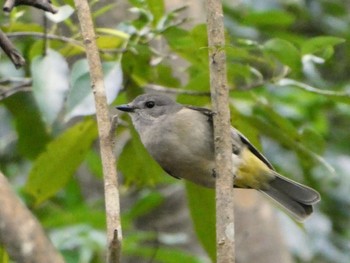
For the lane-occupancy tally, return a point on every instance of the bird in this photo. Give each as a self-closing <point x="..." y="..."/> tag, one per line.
<point x="180" y="138"/>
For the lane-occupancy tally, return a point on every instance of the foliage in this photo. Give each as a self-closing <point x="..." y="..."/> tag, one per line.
<point x="288" y="74"/>
<point x="69" y="149"/>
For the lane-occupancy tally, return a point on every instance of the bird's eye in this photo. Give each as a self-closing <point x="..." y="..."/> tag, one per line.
<point x="150" y="104"/>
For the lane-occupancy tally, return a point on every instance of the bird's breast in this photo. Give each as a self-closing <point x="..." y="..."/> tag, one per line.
<point x="183" y="146"/>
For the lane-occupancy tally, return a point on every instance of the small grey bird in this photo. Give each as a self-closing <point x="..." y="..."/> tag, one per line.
<point x="180" y="139"/>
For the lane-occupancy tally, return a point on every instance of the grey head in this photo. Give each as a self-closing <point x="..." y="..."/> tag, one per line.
<point x="147" y="109"/>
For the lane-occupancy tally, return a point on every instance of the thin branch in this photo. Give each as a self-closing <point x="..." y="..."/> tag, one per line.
<point x="40" y="4"/>
<point x="7" y="92"/>
<point x="46" y="42"/>
<point x="114" y="247"/>
<point x="48" y="36"/>
<point x="222" y="135"/>
<point x="11" y="51"/>
<point x="8" y="80"/>
<point x="308" y="88"/>
<point x="104" y="127"/>
<point x="20" y="232"/>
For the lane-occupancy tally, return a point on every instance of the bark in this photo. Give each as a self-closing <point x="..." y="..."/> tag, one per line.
<point x="10" y="50"/>
<point x="114" y="231"/>
<point x="40" y="4"/>
<point x="222" y="136"/>
<point x="20" y="232"/>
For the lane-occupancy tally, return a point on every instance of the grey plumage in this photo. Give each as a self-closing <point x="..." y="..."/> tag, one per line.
<point x="180" y="139"/>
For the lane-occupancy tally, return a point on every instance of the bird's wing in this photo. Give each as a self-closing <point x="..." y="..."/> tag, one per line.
<point x="252" y="148"/>
<point x="205" y="111"/>
<point x="236" y="135"/>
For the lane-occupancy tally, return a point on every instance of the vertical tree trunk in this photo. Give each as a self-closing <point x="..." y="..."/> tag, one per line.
<point x="20" y="232"/>
<point x="225" y="240"/>
<point x="114" y="230"/>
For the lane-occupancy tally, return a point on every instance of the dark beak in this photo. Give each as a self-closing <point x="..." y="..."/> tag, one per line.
<point x="126" y="108"/>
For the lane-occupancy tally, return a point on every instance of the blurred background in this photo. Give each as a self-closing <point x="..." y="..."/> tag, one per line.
<point x="288" y="71"/>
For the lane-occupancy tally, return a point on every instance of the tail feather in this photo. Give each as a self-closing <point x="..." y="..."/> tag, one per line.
<point x="296" y="198"/>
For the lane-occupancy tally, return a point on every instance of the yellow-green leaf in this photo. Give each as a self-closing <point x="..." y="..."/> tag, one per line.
<point x="201" y="202"/>
<point x="55" y="166"/>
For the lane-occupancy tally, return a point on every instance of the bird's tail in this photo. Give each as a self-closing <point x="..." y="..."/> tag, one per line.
<point x="294" y="197"/>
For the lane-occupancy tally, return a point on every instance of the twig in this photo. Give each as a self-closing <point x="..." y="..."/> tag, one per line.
<point x="20" y="232"/>
<point x="8" y="80"/>
<point x="46" y="42"/>
<point x="42" y="35"/>
<point x="308" y="88"/>
<point x="40" y="4"/>
<point x="104" y="127"/>
<point x="222" y="135"/>
<point x="5" y="93"/>
<point x="114" y="125"/>
<point x="11" y="51"/>
<point x="114" y="247"/>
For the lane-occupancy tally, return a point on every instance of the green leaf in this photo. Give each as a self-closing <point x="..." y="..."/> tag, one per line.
<point x="53" y="168"/>
<point x="295" y="144"/>
<point x="80" y="99"/>
<point x="31" y="131"/>
<point x="109" y="42"/>
<point x="319" y="45"/>
<point x="50" y="83"/>
<point x="245" y="128"/>
<point x="22" y="27"/>
<point x="164" y="75"/>
<point x="179" y="39"/>
<point x="157" y="9"/>
<point x="264" y="109"/>
<point x="93" y="161"/>
<point x="190" y="45"/>
<point x="199" y="81"/>
<point x="272" y="18"/>
<point x="143" y="206"/>
<point x="312" y="140"/>
<point x="138" y="167"/>
<point x="113" y="32"/>
<point x="285" y="52"/>
<point x="199" y="35"/>
<point x="72" y="49"/>
<point x="135" y="69"/>
<point x="4" y="257"/>
<point x="242" y="76"/>
<point x="201" y="202"/>
<point x="36" y="49"/>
